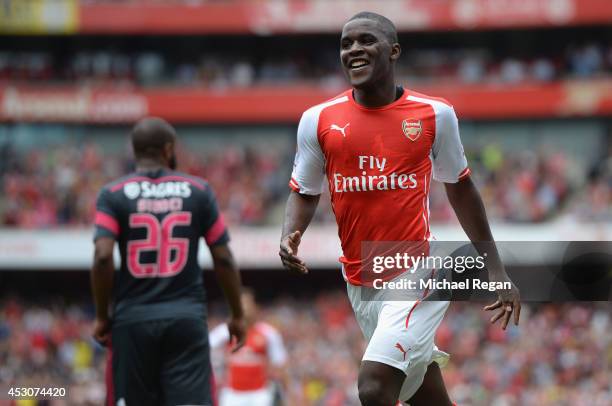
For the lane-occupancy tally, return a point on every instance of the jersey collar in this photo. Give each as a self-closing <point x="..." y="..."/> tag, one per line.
<point x="385" y="107"/>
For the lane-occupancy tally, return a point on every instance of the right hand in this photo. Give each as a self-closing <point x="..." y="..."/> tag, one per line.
<point x="237" y="330"/>
<point x="508" y="301"/>
<point x="102" y="331"/>
<point x="288" y="253"/>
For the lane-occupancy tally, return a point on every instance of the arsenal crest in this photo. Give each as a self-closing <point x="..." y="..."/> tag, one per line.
<point x="412" y="128"/>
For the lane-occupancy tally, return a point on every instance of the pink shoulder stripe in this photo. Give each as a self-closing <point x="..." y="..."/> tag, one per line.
<point x="215" y="231"/>
<point x="107" y="221"/>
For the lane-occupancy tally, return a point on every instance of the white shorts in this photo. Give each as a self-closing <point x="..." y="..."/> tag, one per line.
<point x="260" y="397"/>
<point x="399" y="333"/>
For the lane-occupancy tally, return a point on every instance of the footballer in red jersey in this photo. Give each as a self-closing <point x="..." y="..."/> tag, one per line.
<point x="253" y="371"/>
<point x="377" y="147"/>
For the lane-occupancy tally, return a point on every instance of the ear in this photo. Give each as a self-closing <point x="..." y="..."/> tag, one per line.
<point x="396" y="51"/>
<point x="168" y="151"/>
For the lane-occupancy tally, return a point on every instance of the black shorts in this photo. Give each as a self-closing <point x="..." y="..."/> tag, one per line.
<point x="160" y="362"/>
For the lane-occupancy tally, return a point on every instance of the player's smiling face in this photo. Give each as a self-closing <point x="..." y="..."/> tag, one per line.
<point x="365" y="52"/>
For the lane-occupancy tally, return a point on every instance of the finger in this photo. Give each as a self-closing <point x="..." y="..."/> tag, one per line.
<point x="517" y="312"/>
<point x="497" y="316"/>
<point x="290" y="262"/>
<point x="239" y="344"/>
<point x="294" y="261"/>
<point x="294" y="240"/>
<point x="507" y="315"/>
<point x="295" y="236"/>
<point x="290" y="257"/>
<point x="493" y="306"/>
<point x="285" y="249"/>
<point x="295" y="267"/>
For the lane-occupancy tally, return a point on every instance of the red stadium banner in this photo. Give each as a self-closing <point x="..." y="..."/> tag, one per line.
<point x="71" y="104"/>
<point x="308" y="16"/>
<point x="286" y="104"/>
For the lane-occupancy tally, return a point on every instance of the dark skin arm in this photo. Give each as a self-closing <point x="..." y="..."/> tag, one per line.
<point x="229" y="279"/>
<point x="102" y="273"/>
<point x="298" y="213"/>
<point x="468" y="206"/>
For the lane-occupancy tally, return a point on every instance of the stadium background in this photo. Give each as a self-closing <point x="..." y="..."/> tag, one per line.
<point x="531" y="81"/>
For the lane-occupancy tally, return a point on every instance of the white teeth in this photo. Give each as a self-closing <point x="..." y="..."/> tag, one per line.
<point x="358" y="64"/>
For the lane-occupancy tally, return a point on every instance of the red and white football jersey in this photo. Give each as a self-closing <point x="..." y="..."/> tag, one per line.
<point x="379" y="164"/>
<point x="248" y="367"/>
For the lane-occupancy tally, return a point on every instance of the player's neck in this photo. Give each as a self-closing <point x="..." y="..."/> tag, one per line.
<point x="147" y="164"/>
<point x="376" y="96"/>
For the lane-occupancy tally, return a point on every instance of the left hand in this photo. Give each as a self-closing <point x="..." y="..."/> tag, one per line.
<point x="288" y="253"/>
<point x="508" y="301"/>
<point x="101" y="331"/>
<point x="237" y="330"/>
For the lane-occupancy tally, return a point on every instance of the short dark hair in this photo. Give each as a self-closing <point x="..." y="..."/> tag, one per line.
<point x="386" y="25"/>
<point x="150" y="135"/>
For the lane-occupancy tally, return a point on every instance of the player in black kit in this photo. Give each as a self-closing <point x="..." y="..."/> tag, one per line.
<point x="156" y="331"/>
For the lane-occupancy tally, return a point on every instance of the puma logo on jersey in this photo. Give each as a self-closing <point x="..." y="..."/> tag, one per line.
<point x="404" y="352"/>
<point x="338" y="128"/>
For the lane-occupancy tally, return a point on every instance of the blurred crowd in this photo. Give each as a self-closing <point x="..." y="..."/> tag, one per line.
<point x="221" y="69"/>
<point x="524" y="186"/>
<point x="534" y="185"/>
<point x="57" y="186"/>
<point x="560" y="355"/>
<point x="51" y="347"/>
<point x="595" y="202"/>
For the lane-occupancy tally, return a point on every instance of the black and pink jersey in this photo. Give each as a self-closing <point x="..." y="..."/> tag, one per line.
<point x="158" y="218"/>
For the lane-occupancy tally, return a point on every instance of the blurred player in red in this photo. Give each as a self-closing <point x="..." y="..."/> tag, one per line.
<point x="379" y="146"/>
<point x="156" y="331"/>
<point x="254" y="368"/>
